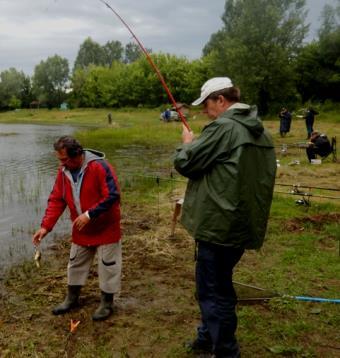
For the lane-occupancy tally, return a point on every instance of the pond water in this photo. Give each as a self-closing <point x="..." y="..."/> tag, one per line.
<point x="27" y="172"/>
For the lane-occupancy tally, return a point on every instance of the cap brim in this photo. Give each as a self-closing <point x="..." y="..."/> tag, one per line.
<point x="199" y="100"/>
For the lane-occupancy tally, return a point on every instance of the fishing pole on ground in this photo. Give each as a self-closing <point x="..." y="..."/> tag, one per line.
<point x="307" y="194"/>
<point x="153" y="65"/>
<point x="271" y="294"/>
<point x="308" y="186"/>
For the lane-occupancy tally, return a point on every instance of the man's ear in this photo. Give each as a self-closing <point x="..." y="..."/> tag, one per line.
<point x="221" y="99"/>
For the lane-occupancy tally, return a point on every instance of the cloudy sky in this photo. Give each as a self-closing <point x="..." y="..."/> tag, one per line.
<point x="32" y="30"/>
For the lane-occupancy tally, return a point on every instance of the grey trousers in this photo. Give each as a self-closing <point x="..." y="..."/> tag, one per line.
<point x="109" y="265"/>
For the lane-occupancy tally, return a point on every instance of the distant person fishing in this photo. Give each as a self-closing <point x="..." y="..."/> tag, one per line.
<point x="285" y="121"/>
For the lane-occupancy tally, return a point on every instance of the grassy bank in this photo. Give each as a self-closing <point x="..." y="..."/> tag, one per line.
<point x="156" y="310"/>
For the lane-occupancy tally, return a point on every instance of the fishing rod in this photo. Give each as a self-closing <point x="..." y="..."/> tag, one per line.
<point x="153" y="65"/>
<point x="307" y="186"/>
<point x="296" y="191"/>
<point x="308" y="194"/>
<point x="272" y="294"/>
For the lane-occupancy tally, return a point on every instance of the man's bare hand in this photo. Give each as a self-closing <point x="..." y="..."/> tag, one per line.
<point x="81" y="221"/>
<point x="187" y="136"/>
<point x="38" y="236"/>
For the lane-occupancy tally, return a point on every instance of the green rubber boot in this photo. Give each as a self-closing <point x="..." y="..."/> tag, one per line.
<point x="70" y="302"/>
<point x="105" y="308"/>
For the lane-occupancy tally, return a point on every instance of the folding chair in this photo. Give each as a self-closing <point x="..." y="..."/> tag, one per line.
<point x="333" y="151"/>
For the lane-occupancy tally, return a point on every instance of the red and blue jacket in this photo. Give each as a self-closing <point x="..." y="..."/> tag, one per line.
<point x="95" y="191"/>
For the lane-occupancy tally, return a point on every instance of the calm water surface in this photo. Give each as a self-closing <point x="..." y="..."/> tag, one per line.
<point x="27" y="172"/>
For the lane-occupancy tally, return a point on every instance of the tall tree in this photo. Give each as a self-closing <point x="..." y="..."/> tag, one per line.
<point x="113" y="51"/>
<point x="15" y="88"/>
<point x="90" y="53"/>
<point x="330" y="17"/>
<point x="50" y="79"/>
<point x="256" y="47"/>
<point x="318" y="65"/>
<point x="133" y="52"/>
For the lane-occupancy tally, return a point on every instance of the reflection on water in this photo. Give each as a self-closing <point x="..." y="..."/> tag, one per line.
<point x="27" y="171"/>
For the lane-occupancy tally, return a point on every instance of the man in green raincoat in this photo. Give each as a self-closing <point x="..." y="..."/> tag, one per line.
<point x="231" y="168"/>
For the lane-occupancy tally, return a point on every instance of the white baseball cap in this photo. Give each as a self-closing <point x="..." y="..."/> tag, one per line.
<point x="213" y="85"/>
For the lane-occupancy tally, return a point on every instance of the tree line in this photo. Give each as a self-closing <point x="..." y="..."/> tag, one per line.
<point x="261" y="46"/>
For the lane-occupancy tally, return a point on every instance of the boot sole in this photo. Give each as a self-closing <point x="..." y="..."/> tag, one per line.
<point x="103" y="318"/>
<point x="60" y="312"/>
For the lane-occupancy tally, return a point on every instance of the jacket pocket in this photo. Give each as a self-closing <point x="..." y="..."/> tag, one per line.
<point x="110" y="254"/>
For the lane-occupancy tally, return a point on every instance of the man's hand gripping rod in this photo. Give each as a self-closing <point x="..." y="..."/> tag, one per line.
<point x="153" y="65"/>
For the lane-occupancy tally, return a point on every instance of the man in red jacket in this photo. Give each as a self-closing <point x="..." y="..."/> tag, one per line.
<point x="88" y="185"/>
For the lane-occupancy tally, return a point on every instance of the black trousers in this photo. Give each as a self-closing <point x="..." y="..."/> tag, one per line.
<point x="217" y="298"/>
<point x="311" y="152"/>
<point x="309" y="127"/>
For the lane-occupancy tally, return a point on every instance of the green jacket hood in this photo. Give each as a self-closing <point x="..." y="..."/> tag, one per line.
<point x="247" y="116"/>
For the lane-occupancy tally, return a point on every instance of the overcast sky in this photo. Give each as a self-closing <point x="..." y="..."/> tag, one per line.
<point x="32" y="30"/>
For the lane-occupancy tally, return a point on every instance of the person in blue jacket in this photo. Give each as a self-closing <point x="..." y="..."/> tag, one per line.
<point x="166" y="115"/>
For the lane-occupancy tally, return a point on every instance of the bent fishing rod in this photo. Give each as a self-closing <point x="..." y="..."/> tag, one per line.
<point x="153" y="65"/>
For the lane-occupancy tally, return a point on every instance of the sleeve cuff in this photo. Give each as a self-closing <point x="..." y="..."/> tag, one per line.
<point x="87" y="214"/>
